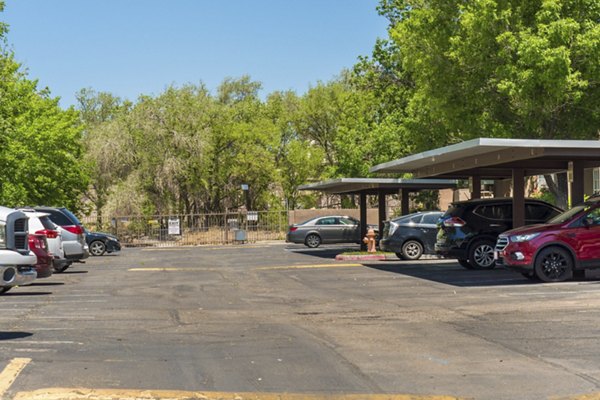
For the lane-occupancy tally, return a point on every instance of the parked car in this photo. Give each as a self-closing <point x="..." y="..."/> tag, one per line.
<point x="100" y="243"/>
<point x="16" y="261"/>
<point x="411" y="236"/>
<point x="71" y="230"/>
<point x="40" y="223"/>
<point x="553" y="251"/>
<point x="469" y="229"/>
<point x="328" y="229"/>
<point x="39" y="247"/>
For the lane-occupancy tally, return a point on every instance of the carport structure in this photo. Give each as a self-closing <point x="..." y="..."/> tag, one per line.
<point x="379" y="187"/>
<point x="514" y="159"/>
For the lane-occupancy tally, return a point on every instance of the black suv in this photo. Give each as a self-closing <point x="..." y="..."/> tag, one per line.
<point x="469" y="229"/>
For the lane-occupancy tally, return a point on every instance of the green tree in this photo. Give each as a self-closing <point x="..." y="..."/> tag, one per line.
<point x="109" y="148"/>
<point x="503" y="68"/>
<point x="40" y="148"/>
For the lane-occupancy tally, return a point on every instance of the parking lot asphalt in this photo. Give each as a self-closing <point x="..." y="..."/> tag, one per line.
<point x="266" y="321"/>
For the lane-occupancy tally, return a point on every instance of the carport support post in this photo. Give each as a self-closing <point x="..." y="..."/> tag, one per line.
<point x="403" y="201"/>
<point x="476" y="190"/>
<point x="382" y="210"/>
<point x="363" y="220"/>
<point x="518" y="178"/>
<point x="577" y="184"/>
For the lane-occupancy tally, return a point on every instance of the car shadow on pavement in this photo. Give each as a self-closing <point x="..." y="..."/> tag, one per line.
<point x="46" y="284"/>
<point x="15" y="294"/>
<point x="450" y="273"/>
<point x="322" y="252"/>
<point x="73" y="272"/>
<point x="14" y="335"/>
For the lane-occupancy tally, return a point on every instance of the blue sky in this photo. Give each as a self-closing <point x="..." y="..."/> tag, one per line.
<point x="133" y="47"/>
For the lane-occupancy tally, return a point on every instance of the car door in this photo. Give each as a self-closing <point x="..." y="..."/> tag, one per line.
<point x="586" y="238"/>
<point x="329" y="229"/>
<point x="351" y="230"/>
<point x="429" y="228"/>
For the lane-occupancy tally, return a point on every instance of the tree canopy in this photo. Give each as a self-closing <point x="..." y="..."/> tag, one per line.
<point x="448" y="71"/>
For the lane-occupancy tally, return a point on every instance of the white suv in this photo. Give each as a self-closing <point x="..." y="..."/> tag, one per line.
<point x="16" y="261"/>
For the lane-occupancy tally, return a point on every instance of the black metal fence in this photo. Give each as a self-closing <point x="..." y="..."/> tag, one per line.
<point x="196" y="229"/>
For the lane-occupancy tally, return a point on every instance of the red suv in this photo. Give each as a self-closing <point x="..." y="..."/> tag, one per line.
<point x="553" y="251"/>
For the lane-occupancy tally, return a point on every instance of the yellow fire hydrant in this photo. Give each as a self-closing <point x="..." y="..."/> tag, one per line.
<point x="369" y="240"/>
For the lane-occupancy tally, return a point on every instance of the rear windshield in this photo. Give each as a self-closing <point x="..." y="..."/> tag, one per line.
<point x="71" y="216"/>
<point x="58" y="218"/>
<point x="47" y="223"/>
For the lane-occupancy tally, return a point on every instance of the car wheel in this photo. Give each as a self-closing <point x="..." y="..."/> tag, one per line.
<point x="481" y="255"/>
<point x="465" y="263"/>
<point x="554" y="264"/>
<point x="97" y="248"/>
<point x="61" y="268"/>
<point x="5" y="289"/>
<point x="412" y="250"/>
<point x="313" y="240"/>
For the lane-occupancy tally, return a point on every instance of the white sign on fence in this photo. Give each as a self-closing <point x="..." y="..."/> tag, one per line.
<point x="252" y="215"/>
<point x="174" y="226"/>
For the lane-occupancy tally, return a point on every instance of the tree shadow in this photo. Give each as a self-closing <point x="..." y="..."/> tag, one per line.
<point x="14" y="335"/>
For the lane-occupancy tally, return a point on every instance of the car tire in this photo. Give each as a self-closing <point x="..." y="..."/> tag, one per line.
<point x="481" y="255"/>
<point x="465" y="263"/>
<point x="5" y="289"/>
<point x="97" y="248"/>
<point x="313" y="241"/>
<point x="411" y="250"/>
<point x="554" y="264"/>
<point x="62" y="268"/>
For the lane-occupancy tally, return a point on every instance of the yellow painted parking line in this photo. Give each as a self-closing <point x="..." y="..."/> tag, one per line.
<point x="310" y="266"/>
<point x="168" y="269"/>
<point x="11" y="372"/>
<point x="589" y="396"/>
<point x="118" y="394"/>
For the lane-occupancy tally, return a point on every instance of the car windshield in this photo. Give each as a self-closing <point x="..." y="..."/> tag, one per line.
<point x="567" y="215"/>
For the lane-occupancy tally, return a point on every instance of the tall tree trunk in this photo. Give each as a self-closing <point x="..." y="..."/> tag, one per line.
<point x="558" y="185"/>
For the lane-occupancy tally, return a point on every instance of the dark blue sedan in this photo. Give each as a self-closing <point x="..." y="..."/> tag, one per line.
<point x="101" y="243"/>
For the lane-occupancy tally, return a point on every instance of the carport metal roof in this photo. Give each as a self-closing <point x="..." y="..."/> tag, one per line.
<point x="504" y="158"/>
<point x="377" y="185"/>
<point x="497" y="158"/>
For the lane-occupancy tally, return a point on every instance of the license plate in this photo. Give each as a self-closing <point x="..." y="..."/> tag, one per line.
<point x="495" y="255"/>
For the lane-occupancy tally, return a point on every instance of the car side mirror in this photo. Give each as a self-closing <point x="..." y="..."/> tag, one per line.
<point x="588" y="221"/>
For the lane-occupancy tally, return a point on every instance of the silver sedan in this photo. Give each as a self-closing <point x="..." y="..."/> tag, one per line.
<point x="328" y="229"/>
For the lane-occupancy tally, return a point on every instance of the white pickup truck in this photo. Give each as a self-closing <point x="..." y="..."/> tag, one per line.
<point x="16" y="261"/>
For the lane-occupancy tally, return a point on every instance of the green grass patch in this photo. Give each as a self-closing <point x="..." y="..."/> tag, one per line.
<point x="365" y="253"/>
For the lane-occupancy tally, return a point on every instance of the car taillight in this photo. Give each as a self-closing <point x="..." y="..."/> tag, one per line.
<point x="76" y="229"/>
<point x="37" y="242"/>
<point x="453" y="222"/>
<point x="293" y="228"/>
<point x="50" y="234"/>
